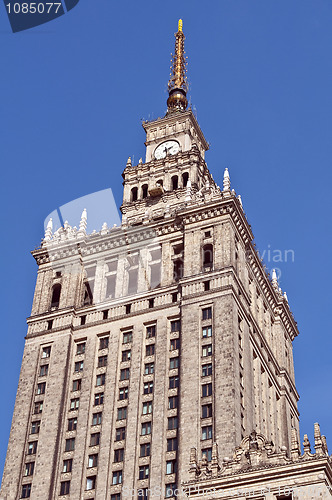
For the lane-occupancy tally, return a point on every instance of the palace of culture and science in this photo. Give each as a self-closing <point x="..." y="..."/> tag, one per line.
<point x="158" y="359"/>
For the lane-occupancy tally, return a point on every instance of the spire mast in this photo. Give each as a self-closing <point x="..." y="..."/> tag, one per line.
<point x="177" y="84"/>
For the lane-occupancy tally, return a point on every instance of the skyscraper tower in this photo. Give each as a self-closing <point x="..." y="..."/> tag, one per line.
<point x="157" y="347"/>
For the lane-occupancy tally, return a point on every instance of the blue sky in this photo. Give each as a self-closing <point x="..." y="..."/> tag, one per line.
<point x="74" y="92"/>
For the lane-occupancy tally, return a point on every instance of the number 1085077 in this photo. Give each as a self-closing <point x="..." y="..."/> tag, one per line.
<point x="33" y="8"/>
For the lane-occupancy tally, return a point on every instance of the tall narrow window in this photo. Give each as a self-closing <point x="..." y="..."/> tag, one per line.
<point x="177" y="269"/>
<point x="175" y="182"/>
<point x="88" y="297"/>
<point x="144" y="191"/>
<point x="56" y="292"/>
<point x="133" y="194"/>
<point x="185" y="178"/>
<point x="207" y="257"/>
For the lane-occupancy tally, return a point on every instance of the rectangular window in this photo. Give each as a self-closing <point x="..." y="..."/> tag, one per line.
<point x="171" y="467"/>
<point x="65" y="488"/>
<point x="91" y="483"/>
<point x="78" y="366"/>
<point x="41" y="388"/>
<point x="143" y="472"/>
<point x="43" y="371"/>
<point x="148" y="387"/>
<point x="175" y="326"/>
<point x="172" y="402"/>
<point x="124" y="374"/>
<point x="46" y="352"/>
<point x="208" y="453"/>
<point x="102" y="361"/>
<point x="207" y="370"/>
<point x="99" y="399"/>
<point x="96" y="418"/>
<point x="100" y="379"/>
<point x="122" y="413"/>
<point x="206" y="390"/>
<point x="149" y="350"/>
<point x="29" y="468"/>
<point x="172" y="423"/>
<point x="207" y="331"/>
<point x="207" y="411"/>
<point x="147" y="407"/>
<point x="149" y="368"/>
<point x="32" y="448"/>
<point x="127" y="337"/>
<point x="116" y="496"/>
<point x="72" y="424"/>
<point x="77" y="385"/>
<point x="207" y="432"/>
<point x="146" y="428"/>
<point x="142" y="494"/>
<point x="67" y="465"/>
<point x="173" y="382"/>
<point x="145" y="450"/>
<point x="207" y="313"/>
<point x="207" y="350"/>
<point x="150" y="331"/>
<point x="174" y="344"/>
<point x="80" y="348"/>
<point x="35" y="427"/>
<point x="173" y="363"/>
<point x="70" y="444"/>
<point x="38" y="408"/>
<point x="117" y="477"/>
<point x="170" y="490"/>
<point x="26" y="491"/>
<point x="93" y="460"/>
<point x="83" y="319"/>
<point x="74" y="403"/>
<point x="126" y="355"/>
<point x="120" y="433"/>
<point x="118" y="455"/>
<point x="103" y="343"/>
<point x="95" y="439"/>
<point x="123" y="393"/>
<point x="172" y="444"/>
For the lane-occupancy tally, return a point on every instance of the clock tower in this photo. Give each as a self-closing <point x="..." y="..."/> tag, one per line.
<point x="174" y="172"/>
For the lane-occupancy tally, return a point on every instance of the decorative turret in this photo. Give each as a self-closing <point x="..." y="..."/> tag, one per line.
<point x="49" y="229"/>
<point x="83" y="223"/>
<point x="275" y="280"/>
<point x="226" y="181"/>
<point x="177" y="85"/>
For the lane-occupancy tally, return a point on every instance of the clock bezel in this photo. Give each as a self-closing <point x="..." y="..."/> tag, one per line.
<point x="164" y="142"/>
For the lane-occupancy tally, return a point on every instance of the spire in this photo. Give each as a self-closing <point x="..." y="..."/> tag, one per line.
<point x="274" y="280"/>
<point x="227" y="181"/>
<point x="49" y="229"/>
<point x="177" y="84"/>
<point x="83" y="223"/>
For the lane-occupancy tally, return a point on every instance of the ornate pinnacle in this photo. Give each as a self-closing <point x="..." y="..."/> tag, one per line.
<point x="83" y="223"/>
<point x="177" y="84"/>
<point x="49" y="229"/>
<point x="226" y="181"/>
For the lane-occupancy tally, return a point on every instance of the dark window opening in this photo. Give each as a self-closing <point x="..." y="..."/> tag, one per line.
<point x="177" y="269"/>
<point x="207" y="256"/>
<point x="151" y="303"/>
<point x="185" y="178"/>
<point x="134" y="193"/>
<point x="87" y="301"/>
<point x="56" y="292"/>
<point x="50" y="324"/>
<point x="105" y="314"/>
<point x="175" y="182"/>
<point x="144" y="191"/>
<point x="174" y="297"/>
<point x="83" y="319"/>
<point x="128" y="308"/>
<point x="206" y="286"/>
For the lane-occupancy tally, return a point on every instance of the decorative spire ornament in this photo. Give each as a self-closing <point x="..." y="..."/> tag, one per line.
<point x="226" y="181"/>
<point x="177" y="85"/>
<point x="83" y="223"/>
<point x="275" y="280"/>
<point x="49" y="230"/>
<point x="128" y="162"/>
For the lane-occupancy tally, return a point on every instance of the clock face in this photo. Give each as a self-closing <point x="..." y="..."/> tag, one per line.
<point x="166" y="148"/>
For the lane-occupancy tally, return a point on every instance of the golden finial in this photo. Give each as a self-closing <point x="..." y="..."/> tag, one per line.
<point x="177" y="85"/>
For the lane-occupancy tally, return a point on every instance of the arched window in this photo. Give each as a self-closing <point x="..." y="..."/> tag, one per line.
<point x="144" y="191"/>
<point x="160" y="182"/>
<point x="207" y="257"/>
<point x="175" y="182"/>
<point x="56" y="292"/>
<point x="134" y="192"/>
<point x="185" y="178"/>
